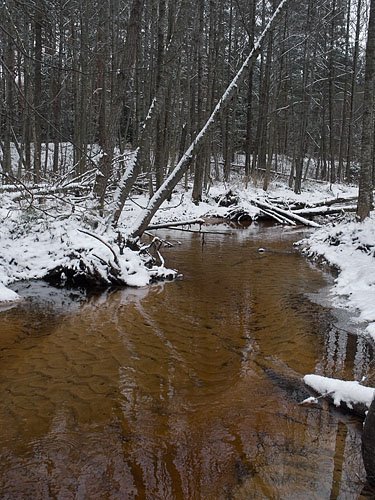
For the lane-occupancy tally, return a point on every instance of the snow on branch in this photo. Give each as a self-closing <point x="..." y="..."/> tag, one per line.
<point x="349" y="393"/>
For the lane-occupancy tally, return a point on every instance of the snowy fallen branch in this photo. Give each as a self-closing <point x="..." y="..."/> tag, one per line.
<point x="349" y="394"/>
<point x="340" y="200"/>
<point x="325" y="210"/>
<point x="287" y="214"/>
<point x="115" y="258"/>
<point x="166" y="225"/>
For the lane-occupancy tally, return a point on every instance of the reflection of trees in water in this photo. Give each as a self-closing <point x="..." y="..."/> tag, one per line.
<point x="70" y="460"/>
<point x="346" y="355"/>
<point x="163" y="389"/>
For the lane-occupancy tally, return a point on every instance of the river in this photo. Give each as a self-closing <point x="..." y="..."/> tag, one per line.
<point x="182" y="390"/>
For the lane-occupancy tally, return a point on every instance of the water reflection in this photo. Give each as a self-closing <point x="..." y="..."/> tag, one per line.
<point x="182" y="390"/>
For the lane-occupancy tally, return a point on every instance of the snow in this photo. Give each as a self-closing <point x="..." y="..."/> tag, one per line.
<point x="348" y="392"/>
<point x="349" y="247"/>
<point x="34" y="242"/>
<point x="7" y="295"/>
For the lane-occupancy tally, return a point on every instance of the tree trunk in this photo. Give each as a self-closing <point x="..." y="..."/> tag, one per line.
<point x="200" y="160"/>
<point x="165" y="190"/>
<point x="159" y="152"/>
<point x="344" y="112"/>
<point x="37" y="90"/>
<point x="249" y="110"/>
<point x="304" y="106"/>
<point x="365" y="196"/>
<point x="352" y="92"/>
<point x="368" y="444"/>
<point x="331" y="96"/>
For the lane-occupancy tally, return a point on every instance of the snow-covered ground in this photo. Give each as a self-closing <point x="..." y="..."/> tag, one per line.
<point x="37" y="239"/>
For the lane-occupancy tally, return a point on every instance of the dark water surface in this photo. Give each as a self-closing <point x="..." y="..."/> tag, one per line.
<point x="183" y="390"/>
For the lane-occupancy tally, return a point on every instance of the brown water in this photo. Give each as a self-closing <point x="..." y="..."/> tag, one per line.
<point x="183" y="390"/>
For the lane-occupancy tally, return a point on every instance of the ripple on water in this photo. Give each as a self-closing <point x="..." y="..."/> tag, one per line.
<point x="182" y="390"/>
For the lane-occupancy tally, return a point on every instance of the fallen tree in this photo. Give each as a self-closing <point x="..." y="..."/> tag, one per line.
<point x="182" y="166"/>
<point x="287" y="215"/>
<point x="325" y="210"/>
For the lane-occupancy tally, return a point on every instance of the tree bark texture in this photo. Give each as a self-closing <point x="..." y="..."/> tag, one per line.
<point x="365" y="197"/>
<point x="368" y="444"/>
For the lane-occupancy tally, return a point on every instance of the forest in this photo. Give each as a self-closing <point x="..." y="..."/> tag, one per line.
<point x="91" y="80"/>
<point x="247" y="128"/>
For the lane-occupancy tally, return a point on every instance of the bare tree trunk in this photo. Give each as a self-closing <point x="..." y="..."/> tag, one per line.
<point x="249" y="111"/>
<point x="8" y="111"/>
<point x="352" y="92"/>
<point x="199" y="163"/>
<point x="366" y="183"/>
<point x="331" y="96"/>
<point x="368" y="444"/>
<point x="37" y="90"/>
<point x="304" y="107"/>
<point x="263" y="144"/>
<point x="159" y="152"/>
<point x="260" y="121"/>
<point x="343" y="138"/>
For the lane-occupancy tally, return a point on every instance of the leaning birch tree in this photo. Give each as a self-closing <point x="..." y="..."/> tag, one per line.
<point x="184" y="163"/>
<point x="134" y="168"/>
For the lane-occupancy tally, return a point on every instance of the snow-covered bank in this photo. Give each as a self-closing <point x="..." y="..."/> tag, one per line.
<point x="40" y="243"/>
<point x="42" y="233"/>
<point x="350" y="248"/>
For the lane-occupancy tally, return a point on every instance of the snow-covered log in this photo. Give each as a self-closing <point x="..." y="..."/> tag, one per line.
<point x="287" y="214"/>
<point x="327" y="203"/>
<point x="166" y="225"/>
<point x="278" y="218"/>
<point x="347" y="394"/>
<point x="325" y="210"/>
<point x="182" y="166"/>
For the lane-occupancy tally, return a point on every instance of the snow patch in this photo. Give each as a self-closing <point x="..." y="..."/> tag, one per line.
<point x="7" y="295"/>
